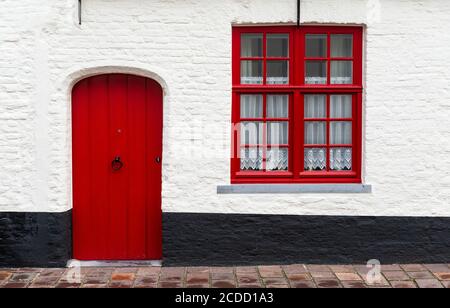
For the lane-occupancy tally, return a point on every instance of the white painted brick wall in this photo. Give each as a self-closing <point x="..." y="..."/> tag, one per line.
<point x="187" y="46"/>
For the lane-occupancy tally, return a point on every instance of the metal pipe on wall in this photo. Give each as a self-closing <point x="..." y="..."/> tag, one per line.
<point x="79" y="12"/>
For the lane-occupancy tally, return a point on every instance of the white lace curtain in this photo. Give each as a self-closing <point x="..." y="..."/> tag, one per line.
<point x="341" y="106"/>
<point x="340" y="132"/>
<point x="341" y="70"/>
<point x="276" y="70"/>
<point x="251" y="72"/>
<point x="277" y="107"/>
<point x="315" y="107"/>
<point x="277" y="159"/>
<point x="251" y="133"/>
<point x="251" y="46"/>
<point x="341" y="45"/>
<point x="341" y="159"/>
<point x="251" y="106"/>
<point x="316" y="159"/>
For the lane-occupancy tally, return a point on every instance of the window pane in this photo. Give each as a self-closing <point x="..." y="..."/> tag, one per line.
<point x="341" y="159"/>
<point x="341" y="45"/>
<point x="315" y="106"/>
<point x="341" y="132"/>
<point x="251" y="106"/>
<point x="251" y="72"/>
<point x="277" y="133"/>
<point x="315" y="159"/>
<point x="277" y="159"/>
<point x="251" y="133"/>
<point x="341" y="72"/>
<point x="277" y="106"/>
<point x="251" y="45"/>
<point x="277" y="72"/>
<point x="341" y="106"/>
<point x="278" y="45"/>
<point x="316" y="45"/>
<point x="251" y="159"/>
<point x="316" y="72"/>
<point x="315" y="133"/>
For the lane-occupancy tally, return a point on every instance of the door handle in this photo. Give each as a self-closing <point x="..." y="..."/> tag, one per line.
<point x="158" y="159"/>
<point x="117" y="164"/>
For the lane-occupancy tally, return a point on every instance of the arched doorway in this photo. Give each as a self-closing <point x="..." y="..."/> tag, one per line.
<point x="117" y="152"/>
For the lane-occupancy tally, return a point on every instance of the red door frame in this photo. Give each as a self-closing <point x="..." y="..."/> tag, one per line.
<point x="117" y="213"/>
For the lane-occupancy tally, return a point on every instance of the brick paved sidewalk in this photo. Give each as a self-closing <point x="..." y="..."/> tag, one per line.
<point x="292" y="276"/>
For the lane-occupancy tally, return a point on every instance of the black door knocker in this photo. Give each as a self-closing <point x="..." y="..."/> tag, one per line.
<point x="117" y="164"/>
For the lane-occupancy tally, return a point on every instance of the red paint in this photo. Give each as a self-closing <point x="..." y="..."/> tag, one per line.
<point x="297" y="89"/>
<point x="117" y="213"/>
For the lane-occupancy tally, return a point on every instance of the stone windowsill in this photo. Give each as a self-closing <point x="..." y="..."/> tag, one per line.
<point x="294" y="189"/>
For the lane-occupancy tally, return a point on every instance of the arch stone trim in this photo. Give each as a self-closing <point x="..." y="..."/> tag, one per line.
<point x="87" y="72"/>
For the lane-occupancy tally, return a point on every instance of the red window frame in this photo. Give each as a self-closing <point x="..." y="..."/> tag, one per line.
<point x="297" y="89"/>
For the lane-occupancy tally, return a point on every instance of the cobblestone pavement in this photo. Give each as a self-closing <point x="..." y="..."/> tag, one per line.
<point x="291" y="276"/>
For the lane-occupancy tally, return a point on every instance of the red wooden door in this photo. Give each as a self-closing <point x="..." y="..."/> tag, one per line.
<point x="117" y="147"/>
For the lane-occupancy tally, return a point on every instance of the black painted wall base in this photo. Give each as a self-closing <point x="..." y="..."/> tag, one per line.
<point x="35" y="239"/>
<point x="229" y="239"/>
<point x="45" y="239"/>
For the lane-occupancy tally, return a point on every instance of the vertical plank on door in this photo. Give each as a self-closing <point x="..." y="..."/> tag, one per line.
<point x="137" y="173"/>
<point x="118" y="180"/>
<point x="81" y="155"/>
<point x="154" y="132"/>
<point x="100" y="162"/>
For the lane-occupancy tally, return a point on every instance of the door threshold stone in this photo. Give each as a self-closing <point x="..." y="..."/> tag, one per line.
<point x="126" y="263"/>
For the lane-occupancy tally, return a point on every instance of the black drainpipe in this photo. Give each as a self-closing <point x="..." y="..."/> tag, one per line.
<point x="79" y="12"/>
<point x="298" y="13"/>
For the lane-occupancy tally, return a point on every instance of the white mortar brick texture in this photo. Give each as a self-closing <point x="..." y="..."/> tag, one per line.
<point x="186" y="45"/>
